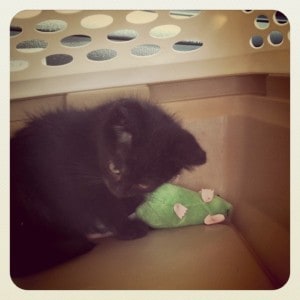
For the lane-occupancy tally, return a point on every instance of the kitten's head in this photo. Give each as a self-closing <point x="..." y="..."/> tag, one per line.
<point x="145" y="148"/>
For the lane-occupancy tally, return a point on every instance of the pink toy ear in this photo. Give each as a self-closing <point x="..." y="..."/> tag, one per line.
<point x="180" y="210"/>
<point x="207" y="195"/>
<point x="214" y="219"/>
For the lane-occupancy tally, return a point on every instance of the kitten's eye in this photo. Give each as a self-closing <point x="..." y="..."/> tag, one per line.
<point x="113" y="169"/>
<point x="143" y="186"/>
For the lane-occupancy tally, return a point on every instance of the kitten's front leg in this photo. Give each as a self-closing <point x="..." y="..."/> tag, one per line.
<point x="132" y="229"/>
<point x="129" y="230"/>
<point x="116" y="218"/>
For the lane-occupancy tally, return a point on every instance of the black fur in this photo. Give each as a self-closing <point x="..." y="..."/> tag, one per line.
<point x="74" y="173"/>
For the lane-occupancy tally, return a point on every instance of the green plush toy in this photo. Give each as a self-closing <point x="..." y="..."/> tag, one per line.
<point x="175" y="206"/>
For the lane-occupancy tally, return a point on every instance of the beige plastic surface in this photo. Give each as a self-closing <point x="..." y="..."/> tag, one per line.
<point x="226" y="49"/>
<point x="197" y="257"/>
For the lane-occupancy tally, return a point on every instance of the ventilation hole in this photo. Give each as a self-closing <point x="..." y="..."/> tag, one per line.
<point x="76" y="40"/>
<point x="96" y="21"/>
<point x="102" y="54"/>
<point x="280" y="18"/>
<point x="123" y="35"/>
<point x="275" y="38"/>
<point x="58" y="59"/>
<point x="165" y="31"/>
<point x="18" y="65"/>
<point x="186" y="46"/>
<point x="32" y="46"/>
<point x="256" y="41"/>
<point x="142" y="16"/>
<point x="145" y="50"/>
<point x="27" y="14"/>
<point x="262" y="22"/>
<point x="51" y="26"/>
<point x="15" y="30"/>
<point x="184" y="14"/>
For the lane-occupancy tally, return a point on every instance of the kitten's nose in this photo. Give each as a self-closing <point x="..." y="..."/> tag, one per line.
<point x="119" y="192"/>
<point x="122" y="191"/>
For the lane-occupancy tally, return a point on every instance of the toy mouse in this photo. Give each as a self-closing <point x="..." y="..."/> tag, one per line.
<point x="174" y="206"/>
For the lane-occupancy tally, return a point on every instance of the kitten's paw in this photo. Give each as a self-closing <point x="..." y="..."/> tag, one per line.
<point x="132" y="230"/>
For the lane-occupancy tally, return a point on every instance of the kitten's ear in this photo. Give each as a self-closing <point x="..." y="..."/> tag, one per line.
<point x="187" y="151"/>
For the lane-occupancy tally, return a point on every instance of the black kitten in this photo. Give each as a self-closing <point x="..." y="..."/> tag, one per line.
<point x="75" y="173"/>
